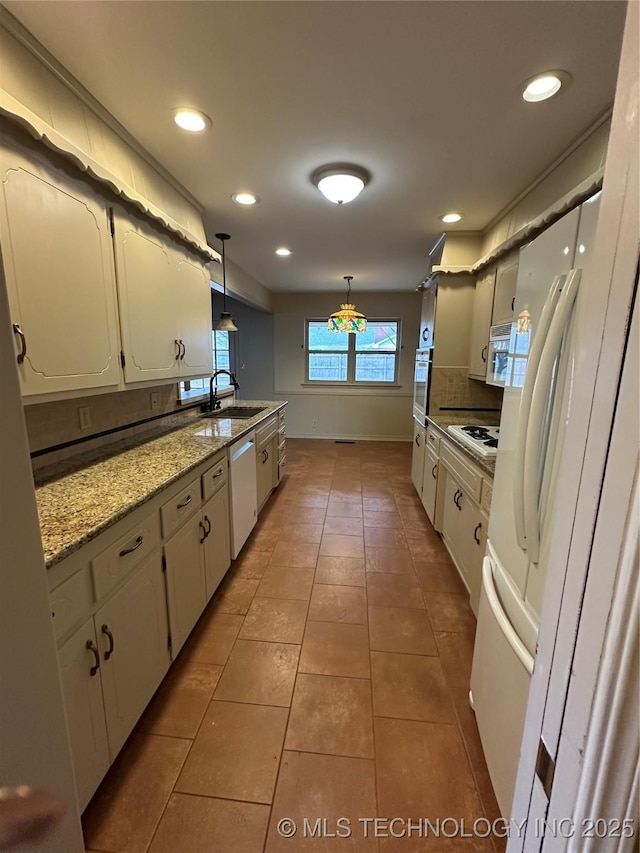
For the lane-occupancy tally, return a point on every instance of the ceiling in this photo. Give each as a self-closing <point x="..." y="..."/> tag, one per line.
<point x="425" y="95"/>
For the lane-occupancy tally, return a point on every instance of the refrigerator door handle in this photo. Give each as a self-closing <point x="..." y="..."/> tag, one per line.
<point x="539" y="401"/>
<point x="509" y="632"/>
<point x="522" y="429"/>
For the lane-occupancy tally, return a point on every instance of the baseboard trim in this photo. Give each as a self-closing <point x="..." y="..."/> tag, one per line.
<point x="341" y="437"/>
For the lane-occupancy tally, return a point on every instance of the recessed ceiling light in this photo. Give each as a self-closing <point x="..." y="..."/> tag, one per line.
<point x="245" y="198"/>
<point x="191" y="120"/>
<point x="283" y="252"/>
<point x="544" y="86"/>
<point x="341" y="182"/>
<point x="451" y="217"/>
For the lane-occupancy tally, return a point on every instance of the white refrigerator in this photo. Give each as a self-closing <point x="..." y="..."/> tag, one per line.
<point x="536" y="403"/>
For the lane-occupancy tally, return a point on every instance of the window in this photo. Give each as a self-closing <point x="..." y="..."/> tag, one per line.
<point x="369" y="357"/>
<point x="221" y="348"/>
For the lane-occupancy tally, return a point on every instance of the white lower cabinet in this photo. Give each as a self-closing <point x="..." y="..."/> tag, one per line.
<point x="186" y="584"/>
<point x="217" y="545"/>
<point x="417" y="457"/>
<point x="430" y="485"/>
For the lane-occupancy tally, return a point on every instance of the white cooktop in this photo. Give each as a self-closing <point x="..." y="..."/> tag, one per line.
<point x="483" y="439"/>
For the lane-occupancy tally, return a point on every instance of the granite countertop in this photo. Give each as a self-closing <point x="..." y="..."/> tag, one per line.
<point x="81" y="504"/>
<point x="487" y="464"/>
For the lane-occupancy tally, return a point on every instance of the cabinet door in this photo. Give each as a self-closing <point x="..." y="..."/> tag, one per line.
<point x="481" y="323"/>
<point x="194" y="316"/>
<point x="505" y="291"/>
<point x="264" y="473"/>
<point x="186" y="588"/>
<point x="133" y="634"/>
<point x="451" y="512"/>
<point x="427" y="318"/>
<point x="429" y="484"/>
<point x="58" y="262"/>
<point x="417" y="457"/>
<point x="146" y="279"/>
<point x="478" y="549"/>
<point x="466" y="545"/>
<point x="85" y="713"/>
<point x="217" y="545"/>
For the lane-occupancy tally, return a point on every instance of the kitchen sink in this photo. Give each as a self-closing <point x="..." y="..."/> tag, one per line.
<point x="235" y="412"/>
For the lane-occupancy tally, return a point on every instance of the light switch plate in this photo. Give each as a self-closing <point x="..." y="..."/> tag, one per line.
<point x="84" y="415"/>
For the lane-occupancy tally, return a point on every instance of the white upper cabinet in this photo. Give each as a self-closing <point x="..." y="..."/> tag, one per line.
<point x="505" y="290"/>
<point x="482" y="308"/>
<point x="58" y="262"/>
<point x="194" y="316"/>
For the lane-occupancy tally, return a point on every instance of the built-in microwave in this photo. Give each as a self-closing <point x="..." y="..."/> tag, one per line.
<point x="422" y="384"/>
<point x="497" y="361"/>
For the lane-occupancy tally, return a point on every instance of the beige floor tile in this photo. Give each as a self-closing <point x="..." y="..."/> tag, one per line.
<point x="276" y="620"/>
<point x="422" y="771"/>
<point x="344" y="509"/>
<point x="261" y="673"/>
<point x="401" y="629"/>
<point x="384" y="537"/>
<point x="338" y="545"/>
<point x="330" y="648"/>
<point x="418" y="528"/>
<point x="468" y="727"/>
<point x="295" y="555"/>
<point x="345" y="526"/>
<point x="307" y="514"/>
<point x="389" y="518"/>
<point x="205" y="825"/>
<point x="213" y="637"/>
<point x="333" y="603"/>
<point x="313" y="500"/>
<point x="450" y="612"/>
<point x="234" y="595"/>
<point x="331" y="715"/>
<point x="456" y="656"/>
<point x="439" y="576"/>
<point x="428" y="550"/>
<point x="263" y="538"/>
<point x="236" y="753"/>
<point x="386" y="590"/>
<point x="178" y="707"/>
<point x="301" y="533"/>
<point x="323" y="786"/>
<point x="279" y="582"/>
<point x="410" y="687"/>
<point x="392" y="561"/>
<point x="251" y="565"/>
<point x="127" y="807"/>
<point x="344" y="571"/>
<point x="387" y="504"/>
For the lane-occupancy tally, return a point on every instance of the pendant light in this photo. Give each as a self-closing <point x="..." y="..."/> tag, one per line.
<point x="225" y="323"/>
<point x="347" y="319"/>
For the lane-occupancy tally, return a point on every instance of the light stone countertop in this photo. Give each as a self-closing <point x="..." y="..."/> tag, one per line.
<point x="487" y="464"/>
<point x="80" y="505"/>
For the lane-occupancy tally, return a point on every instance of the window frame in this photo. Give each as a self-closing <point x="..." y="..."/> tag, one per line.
<point x="351" y="353"/>
<point x="196" y="395"/>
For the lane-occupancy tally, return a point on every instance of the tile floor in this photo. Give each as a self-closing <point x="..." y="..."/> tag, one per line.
<point x="327" y="678"/>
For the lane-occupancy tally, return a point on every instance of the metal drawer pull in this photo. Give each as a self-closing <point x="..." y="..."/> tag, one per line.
<point x="434" y="471"/>
<point x="265" y="456"/>
<point x="218" y="473"/>
<point x="92" y="648"/>
<point x="206" y="518"/>
<point x="184" y="503"/>
<point x="205" y="532"/>
<point x="23" y="342"/>
<point x="418" y="439"/>
<point x="177" y="343"/>
<point x="109" y="652"/>
<point x="484" y="353"/>
<point x="184" y="350"/>
<point x="133" y="548"/>
<point x="475" y="533"/>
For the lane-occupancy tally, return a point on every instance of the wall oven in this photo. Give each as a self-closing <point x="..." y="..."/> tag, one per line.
<point x="498" y="354"/>
<point x="422" y="384"/>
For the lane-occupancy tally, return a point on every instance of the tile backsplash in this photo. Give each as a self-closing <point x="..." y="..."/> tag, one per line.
<point x="452" y="388"/>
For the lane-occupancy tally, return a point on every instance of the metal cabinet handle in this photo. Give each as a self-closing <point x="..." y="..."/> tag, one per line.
<point x="92" y="648"/>
<point x="434" y="471"/>
<point x="23" y="342"/>
<point x="513" y="302"/>
<point x="425" y="333"/>
<point x="184" y="350"/>
<point x="475" y="533"/>
<point x="205" y="532"/>
<point x="184" y="503"/>
<point x="484" y="353"/>
<point x="455" y="497"/>
<point x="179" y="348"/>
<point x="418" y="439"/>
<point x="458" y="504"/>
<point x="133" y="548"/>
<point x="218" y="473"/>
<point x="265" y="456"/>
<point x="206" y="518"/>
<point x="105" y="630"/>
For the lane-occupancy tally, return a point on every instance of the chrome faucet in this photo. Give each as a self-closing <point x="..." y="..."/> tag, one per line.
<point x="214" y="402"/>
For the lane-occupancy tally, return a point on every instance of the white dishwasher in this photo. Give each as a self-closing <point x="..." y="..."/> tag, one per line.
<point x="244" y="494"/>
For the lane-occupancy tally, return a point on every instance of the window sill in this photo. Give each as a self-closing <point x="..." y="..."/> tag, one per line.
<point x="198" y="394"/>
<point x="350" y="385"/>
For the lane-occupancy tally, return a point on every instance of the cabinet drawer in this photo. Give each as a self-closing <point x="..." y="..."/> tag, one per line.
<point x="71" y="602"/>
<point x="175" y="511"/>
<point x="265" y="433"/>
<point x="487" y="490"/>
<point x="468" y="475"/>
<point x="215" y="478"/>
<point x="282" y="417"/>
<point x="115" y="562"/>
<point x="433" y="440"/>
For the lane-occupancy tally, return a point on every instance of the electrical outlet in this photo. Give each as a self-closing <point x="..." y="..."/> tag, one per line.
<point x="84" y="414"/>
<point x="314" y="423"/>
<point x="155" y="401"/>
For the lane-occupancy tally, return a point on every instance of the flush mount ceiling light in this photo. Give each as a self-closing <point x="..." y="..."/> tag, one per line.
<point x="283" y="252"/>
<point x="225" y="323"/>
<point x="191" y="120"/>
<point x="544" y="86"/>
<point x="341" y="182"/>
<point x="245" y="198"/>
<point x="451" y="217"/>
<point x="347" y="319"/>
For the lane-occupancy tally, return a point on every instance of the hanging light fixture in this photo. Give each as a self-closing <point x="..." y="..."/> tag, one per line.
<point x="225" y="323"/>
<point x="347" y="319"/>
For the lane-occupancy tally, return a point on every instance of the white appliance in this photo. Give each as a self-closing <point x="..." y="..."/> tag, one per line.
<point x="481" y="439"/>
<point x="244" y="493"/>
<point x="422" y="384"/>
<point x="538" y="386"/>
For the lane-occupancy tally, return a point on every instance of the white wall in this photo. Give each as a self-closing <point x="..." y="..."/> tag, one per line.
<point x="355" y="413"/>
<point x="253" y="348"/>
<point x="241" y="285"/>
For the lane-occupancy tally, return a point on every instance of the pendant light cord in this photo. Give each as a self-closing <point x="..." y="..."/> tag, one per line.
<point x="223" y="239"/>
<point x="348" y="279"/>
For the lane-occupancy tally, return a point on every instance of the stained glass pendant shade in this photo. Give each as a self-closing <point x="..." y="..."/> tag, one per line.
<point x="347" y="319"/>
